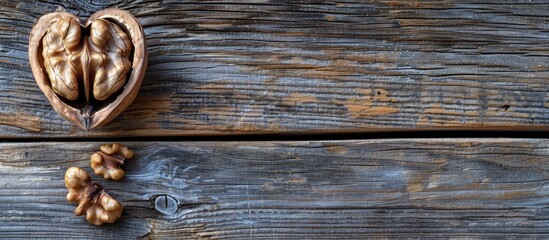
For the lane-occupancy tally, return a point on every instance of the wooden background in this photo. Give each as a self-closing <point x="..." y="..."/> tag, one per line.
<point x="270" y="67"/>
<point x="228" y="68"/>
<point x="467" y="188"/>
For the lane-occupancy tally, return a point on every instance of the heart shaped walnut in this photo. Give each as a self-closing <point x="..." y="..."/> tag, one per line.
<point x="89" y="72"/>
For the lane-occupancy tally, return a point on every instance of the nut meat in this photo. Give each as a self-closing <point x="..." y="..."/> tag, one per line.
<point x="108" y="160"/>
<point x="89" y="72"/>
<point x="92" y="199"/>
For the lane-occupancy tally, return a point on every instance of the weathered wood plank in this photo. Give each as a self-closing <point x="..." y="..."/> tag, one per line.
<point x="444" y="188"/>
<point x="284" y="66"/>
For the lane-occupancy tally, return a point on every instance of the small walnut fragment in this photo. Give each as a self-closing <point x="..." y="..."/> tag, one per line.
<point x="109" y="159"/>
<point x="92" y="200"/>
<point x="89" y="72"/>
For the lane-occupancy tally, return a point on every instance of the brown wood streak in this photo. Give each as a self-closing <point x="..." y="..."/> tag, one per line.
<point x="443" y="188"/>
<point x="279" y="67"/>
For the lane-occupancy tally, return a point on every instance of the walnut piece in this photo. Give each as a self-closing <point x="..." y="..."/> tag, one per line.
<point x="61" y="52"/>
<point x="110" y="50"/>
<point x="108" y="160"/>
<point x="106" y="51"/>
<point x="92" y="199"/>
<point x="89" y="72"/>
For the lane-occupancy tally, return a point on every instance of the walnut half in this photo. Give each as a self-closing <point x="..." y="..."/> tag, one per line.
<point x="92" y="200"/>
<point x="89" y="72"/>
<point x="108" y="160"/>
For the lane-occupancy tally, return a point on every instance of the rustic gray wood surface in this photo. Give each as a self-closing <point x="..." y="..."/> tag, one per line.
<point x="297" y="66"/>
<point x="301" y="67"/>
<point x="443" y="188"/>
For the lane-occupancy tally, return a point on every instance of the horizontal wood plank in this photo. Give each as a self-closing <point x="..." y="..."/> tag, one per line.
<point x="443" y="188"/>
<point x="232" y="67"/>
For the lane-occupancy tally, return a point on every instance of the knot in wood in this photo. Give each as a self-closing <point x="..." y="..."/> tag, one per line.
<point x="166" y="204"/>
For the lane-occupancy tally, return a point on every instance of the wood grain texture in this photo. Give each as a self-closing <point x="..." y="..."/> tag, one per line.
<point x="443" y="188"/>
<point x="228" y="67"/>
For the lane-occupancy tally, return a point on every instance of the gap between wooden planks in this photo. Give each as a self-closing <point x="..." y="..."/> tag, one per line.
<point x="443" y="188"/>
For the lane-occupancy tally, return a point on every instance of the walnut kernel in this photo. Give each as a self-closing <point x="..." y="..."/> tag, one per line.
<point x="109" y="159"/>
<point x="92" y="200"/>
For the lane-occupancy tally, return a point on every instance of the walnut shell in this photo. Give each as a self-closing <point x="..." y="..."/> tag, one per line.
<point x="92" y="200"/>
<point x="89" y="72"/>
